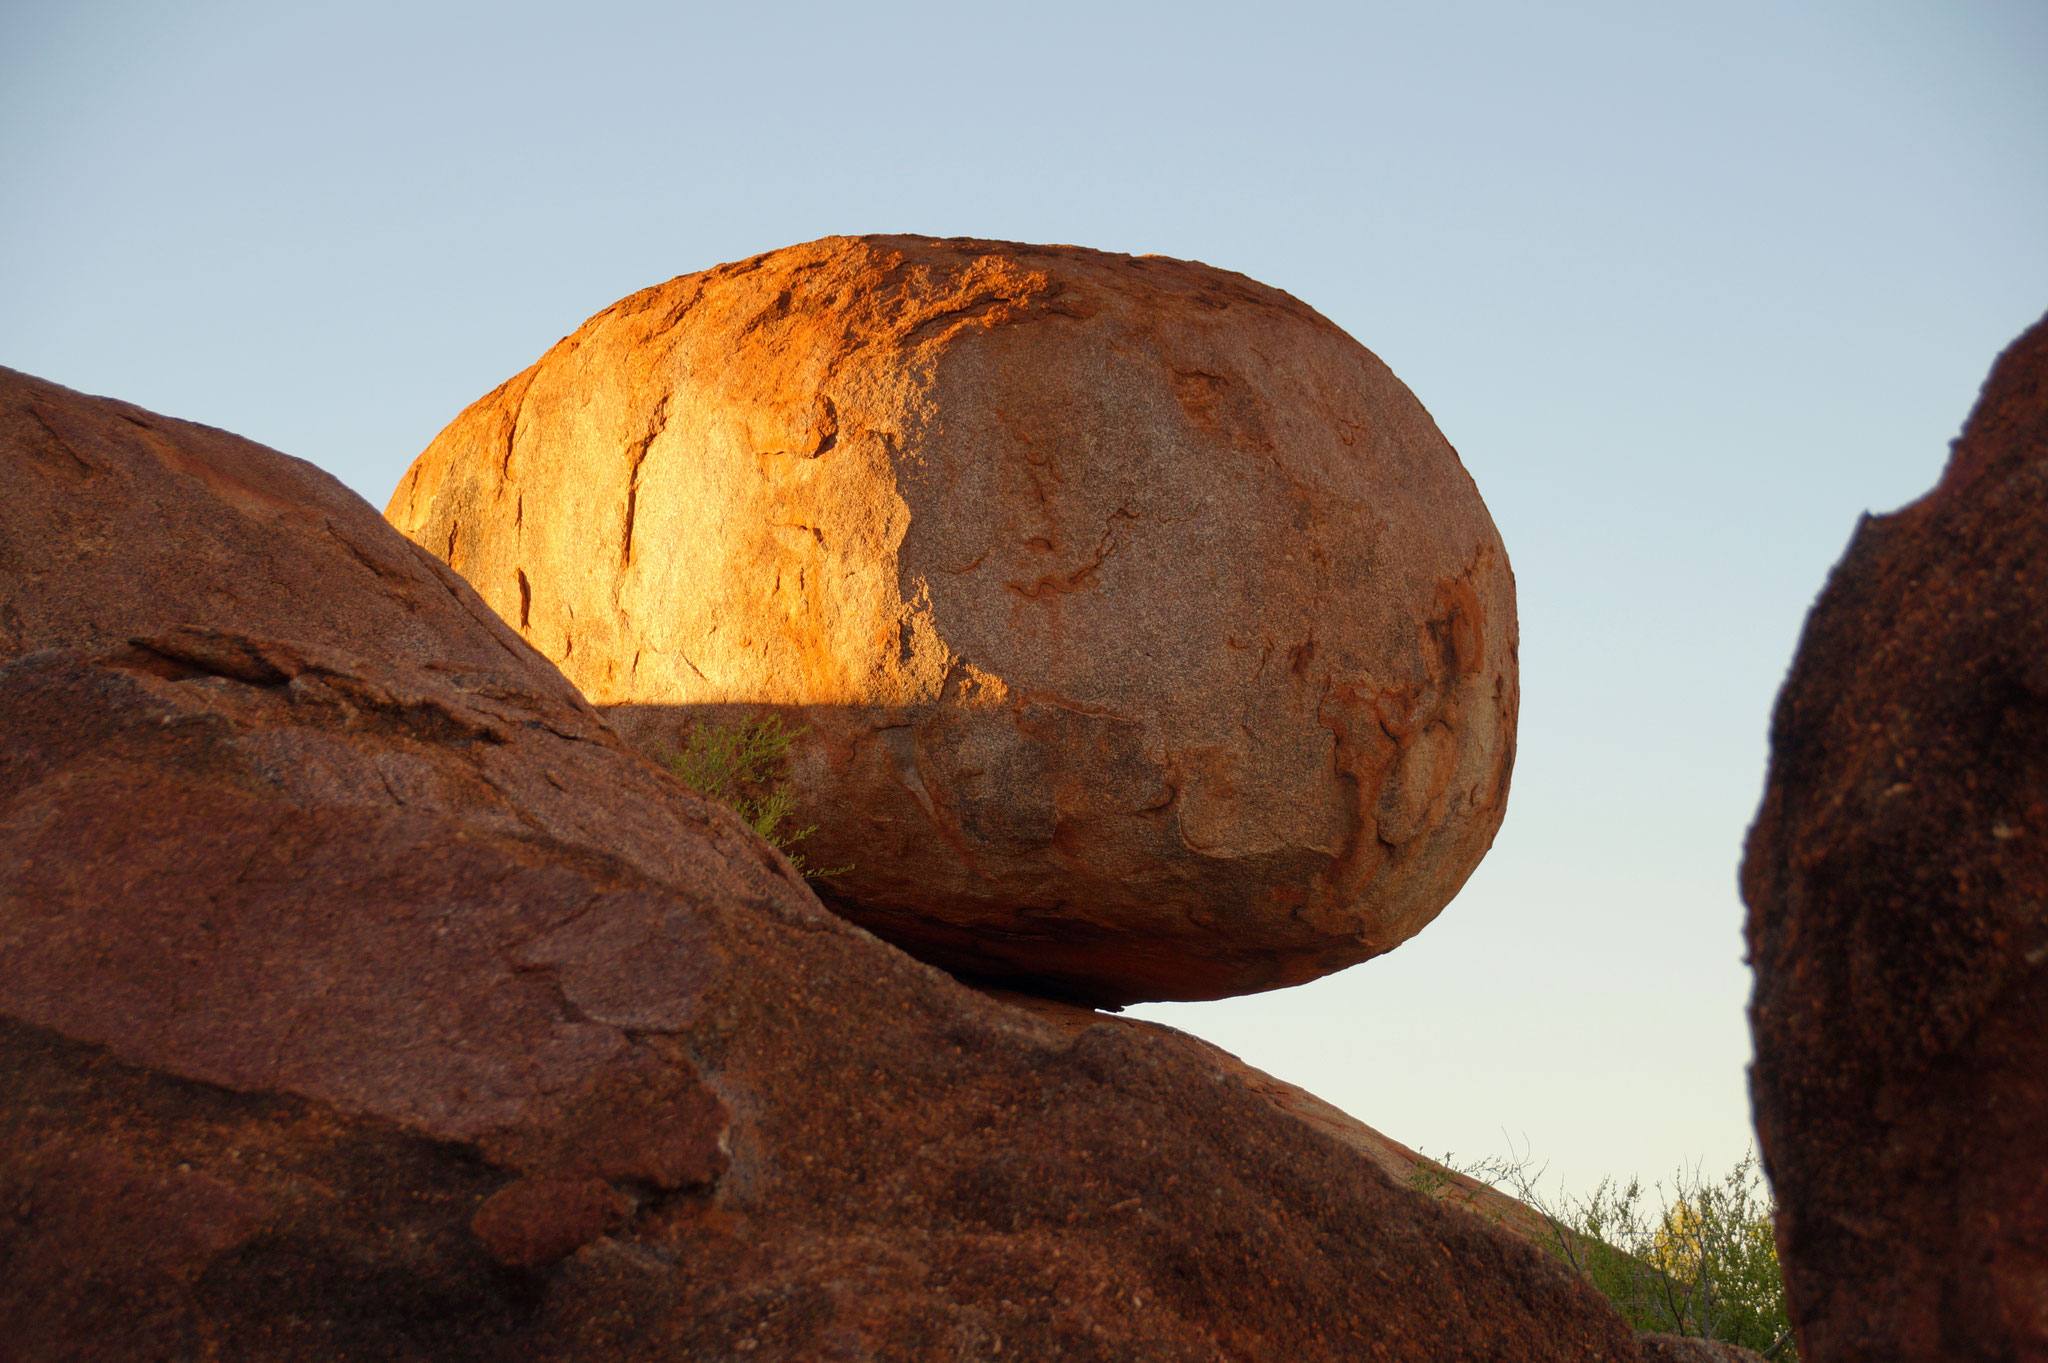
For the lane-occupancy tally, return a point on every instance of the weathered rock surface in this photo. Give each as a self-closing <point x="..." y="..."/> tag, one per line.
<point x="361" y="996"/>
<point x="1151" y="640"/>
<point x="1897" y="879"/>
<point x="121" y="522"/>
<point x="1408" y="1168"/>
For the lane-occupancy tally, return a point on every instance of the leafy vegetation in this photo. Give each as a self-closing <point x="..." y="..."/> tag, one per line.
<point x="746" y="766"/>
<point x="1704" y="1263"/>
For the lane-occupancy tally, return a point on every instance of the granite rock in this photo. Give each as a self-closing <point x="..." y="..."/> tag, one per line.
<point x="1897" y="880"/>
<point x="1149" y="639"/>
<point x="362" y="996"/>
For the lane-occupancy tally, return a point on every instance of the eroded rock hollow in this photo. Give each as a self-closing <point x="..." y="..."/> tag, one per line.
<point x="1150" y="640"/>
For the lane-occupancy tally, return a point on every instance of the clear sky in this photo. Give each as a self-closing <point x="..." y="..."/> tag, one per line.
<point x="1690" y="287"/>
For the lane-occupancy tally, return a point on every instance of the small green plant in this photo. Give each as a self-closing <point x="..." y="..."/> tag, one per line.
<point x="746" y="766"/>
<point x="1704" y="1264"/>
<point x="1428" y="1176"/>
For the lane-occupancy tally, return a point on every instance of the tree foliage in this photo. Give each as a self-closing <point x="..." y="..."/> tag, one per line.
<point x="1702" y="1263"/>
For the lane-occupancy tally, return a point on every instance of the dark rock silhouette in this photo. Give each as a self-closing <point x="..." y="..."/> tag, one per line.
<point x="362" y="996"/>
<point x="1897" y="879"/>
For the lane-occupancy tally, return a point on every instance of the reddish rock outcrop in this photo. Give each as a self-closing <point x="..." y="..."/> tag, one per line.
<point x="120" y="522"/>
<point x="361" y="996"/>
<point x="1897" y="879"/>
<point x="1408" y="1168"/>
<point x="1150" y="639"/>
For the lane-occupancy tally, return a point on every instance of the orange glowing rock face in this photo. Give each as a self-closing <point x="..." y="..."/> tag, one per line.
<point x="1151" y="640"/>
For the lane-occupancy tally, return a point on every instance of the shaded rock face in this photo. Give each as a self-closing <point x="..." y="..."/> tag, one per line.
<point x="1151" y="640"/>
<point x="362" y="996"/>
<point x="1897" y="879"/>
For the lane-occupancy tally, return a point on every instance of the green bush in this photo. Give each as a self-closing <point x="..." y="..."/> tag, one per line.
<point x="746" y="766"/>
<point x="1703" y="1264"/>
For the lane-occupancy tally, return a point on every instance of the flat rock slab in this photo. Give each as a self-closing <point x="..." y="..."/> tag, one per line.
<point x="1148" y="638"/>
<point x="362" y="996"/>
<point x="1897" y="880"/>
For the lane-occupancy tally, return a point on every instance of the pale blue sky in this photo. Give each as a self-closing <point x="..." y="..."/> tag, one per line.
<point x="1690" y="286"/>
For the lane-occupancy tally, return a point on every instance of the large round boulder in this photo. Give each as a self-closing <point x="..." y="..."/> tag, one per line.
<point x="1149" y="639"/>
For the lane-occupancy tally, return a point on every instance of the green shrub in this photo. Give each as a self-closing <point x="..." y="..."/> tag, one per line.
<point x="1703" y="1264"/>
<point x="746" y="766"/>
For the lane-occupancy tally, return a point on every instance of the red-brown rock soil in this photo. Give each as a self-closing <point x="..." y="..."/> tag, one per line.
<point x="1149" y="639"/>
<point x="362" y="996"/>
<point x="1897" y="879"/>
